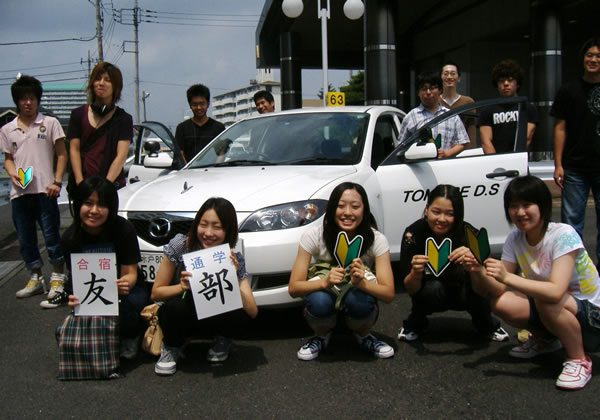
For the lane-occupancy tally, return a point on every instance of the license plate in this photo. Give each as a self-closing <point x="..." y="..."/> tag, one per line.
<point x="149" y="265"/>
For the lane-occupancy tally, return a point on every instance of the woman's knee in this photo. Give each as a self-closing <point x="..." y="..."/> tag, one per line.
<point x="358" y="304"/>
<point x="320" y="304"/>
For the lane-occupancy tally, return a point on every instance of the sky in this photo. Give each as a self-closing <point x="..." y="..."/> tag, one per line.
<point x="187" y="41"/>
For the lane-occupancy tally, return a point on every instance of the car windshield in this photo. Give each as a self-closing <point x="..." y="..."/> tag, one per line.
<point x="333" y="138"/>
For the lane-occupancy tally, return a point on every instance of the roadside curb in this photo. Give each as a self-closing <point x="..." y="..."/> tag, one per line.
<point x="9" y="269"/>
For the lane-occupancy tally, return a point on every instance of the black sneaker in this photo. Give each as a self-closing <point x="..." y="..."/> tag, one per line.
<point x="59" y="299"/>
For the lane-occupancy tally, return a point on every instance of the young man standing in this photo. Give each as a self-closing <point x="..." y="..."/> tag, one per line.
<point x="29" y="143"/>
<point x="264" y="102"/>
<point x="498" y="123"/>
<point x="451" y="131"/>
<point x="193" y="134"/>
<point x="450" y="98"/>
<point x="576" y="109"/>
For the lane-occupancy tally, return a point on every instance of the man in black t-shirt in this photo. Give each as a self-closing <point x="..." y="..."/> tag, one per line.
<point x="576" y="109"/>
<point x="194" y="134"/>
<point x="498" y="123"/>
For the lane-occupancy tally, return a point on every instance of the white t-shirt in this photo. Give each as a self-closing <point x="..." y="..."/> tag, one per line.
<point x="312" y="241"/>
<point x="35" y="149"/>
<point x="536" y="261"/>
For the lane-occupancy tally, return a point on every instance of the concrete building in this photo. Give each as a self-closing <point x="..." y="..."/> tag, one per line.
<point x="61" y="99"/>
<point x="238" y="104"/>
<point x="397" y="39"/>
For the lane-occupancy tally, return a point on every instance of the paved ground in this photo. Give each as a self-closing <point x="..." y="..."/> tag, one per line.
<point x="450" y="372"/>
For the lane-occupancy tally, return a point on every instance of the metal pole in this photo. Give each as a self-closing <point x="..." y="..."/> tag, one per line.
<point x="145" y="95"/>
<point x="324" y="15"/>
<point x="99" y="31"/>
<point x="137" y="62"/>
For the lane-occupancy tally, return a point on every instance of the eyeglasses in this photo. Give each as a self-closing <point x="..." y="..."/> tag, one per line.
<point x="428" y="88"/>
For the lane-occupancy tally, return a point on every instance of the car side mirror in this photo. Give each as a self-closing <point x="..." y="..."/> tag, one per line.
<point x="158" y="160"/>
<point x="421" y="151"/>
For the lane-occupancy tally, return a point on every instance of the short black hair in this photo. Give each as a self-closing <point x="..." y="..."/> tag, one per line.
<point x="198" y="90"/>
<point x="25" y="85"/>
<point x="265" y="95"/>
<point x="529" y="189"/>
<point x="507" y="68"/>
<point x="450" y="63"/>
<point x="431" y="78"/>
<point x="592" y="42"/>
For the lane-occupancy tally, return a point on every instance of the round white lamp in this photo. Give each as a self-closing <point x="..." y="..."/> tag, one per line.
<point x="354" y="9"/>
<point x="292" y="8"/>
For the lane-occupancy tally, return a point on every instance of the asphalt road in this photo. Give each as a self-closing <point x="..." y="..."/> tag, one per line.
<point x="450" y="372"/>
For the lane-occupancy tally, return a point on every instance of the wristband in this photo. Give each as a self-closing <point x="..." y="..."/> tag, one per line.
<point x="58" y="184"/>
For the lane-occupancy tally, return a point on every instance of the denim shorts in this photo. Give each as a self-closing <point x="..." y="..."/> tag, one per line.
<point x="588" y="316"/>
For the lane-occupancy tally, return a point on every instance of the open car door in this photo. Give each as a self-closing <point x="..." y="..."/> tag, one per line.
<point x="412" y="170"/>
<point x="155" y="152"/>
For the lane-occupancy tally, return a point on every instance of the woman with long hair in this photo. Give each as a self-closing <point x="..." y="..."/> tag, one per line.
<point x="355" y="290"/>
<point x="450" y="287"/>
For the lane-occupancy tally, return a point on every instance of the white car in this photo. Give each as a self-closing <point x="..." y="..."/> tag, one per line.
<point x="279" y="169"/>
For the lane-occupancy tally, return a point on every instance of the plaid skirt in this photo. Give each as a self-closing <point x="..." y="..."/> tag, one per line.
<point x="88" y="347"/>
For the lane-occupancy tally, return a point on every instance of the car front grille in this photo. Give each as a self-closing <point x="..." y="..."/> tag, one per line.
<point x="159" y="228"/>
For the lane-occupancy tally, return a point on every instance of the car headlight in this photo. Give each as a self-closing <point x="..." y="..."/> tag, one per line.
<point x="284" y="216"/>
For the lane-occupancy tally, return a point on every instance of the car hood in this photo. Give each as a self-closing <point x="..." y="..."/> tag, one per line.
<point x="248" y="188"/>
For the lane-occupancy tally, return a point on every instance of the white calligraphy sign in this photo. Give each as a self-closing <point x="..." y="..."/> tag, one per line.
<point x="214" y="283"/>
<point x="95" y="283"/>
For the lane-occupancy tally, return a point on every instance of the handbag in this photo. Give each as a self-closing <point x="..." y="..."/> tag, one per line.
<point x="88" y="347"/>
<point x="153" y="337"/>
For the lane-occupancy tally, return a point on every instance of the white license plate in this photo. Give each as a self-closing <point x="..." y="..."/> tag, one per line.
<point x="149" y="265"/>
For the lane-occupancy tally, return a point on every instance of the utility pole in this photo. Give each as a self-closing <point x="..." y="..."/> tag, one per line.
<point x="136" y="12"/>
<point x="99" y="31"/>
<point x="121" y="18"/>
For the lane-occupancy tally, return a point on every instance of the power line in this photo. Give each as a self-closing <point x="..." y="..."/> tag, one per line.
<point x="39" y="67"/>
<point x="201" y="14"/>
<point x="52" y="81"/>
<point x="48" y="40"/>
<point x="199" y="24"/>
<point x="46" y="74"/>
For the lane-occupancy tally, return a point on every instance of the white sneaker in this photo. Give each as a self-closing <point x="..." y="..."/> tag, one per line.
<point x="575" y="374"/>
<point x="57" y="284"/>
<point x="59" y="299"/>
<point x="313" y="347"/>
<point x="405" y="334"/>
<point x="535" y="347"/>
<point x="374" y="346"/>
<point x="35" y="286"/>
<point x="499" y="335"/>
<point x="167" y="362"/>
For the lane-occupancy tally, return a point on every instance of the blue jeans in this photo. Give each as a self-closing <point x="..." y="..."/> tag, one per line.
<point x="357" y="306"/>
<point x="574" y="200"/>
<point x="26" y="211"/>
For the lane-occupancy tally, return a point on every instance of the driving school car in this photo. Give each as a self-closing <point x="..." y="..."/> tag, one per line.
<point x="279" y="169"/>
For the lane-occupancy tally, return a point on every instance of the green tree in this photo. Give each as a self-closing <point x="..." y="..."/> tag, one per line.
<point x="330" y="88"/>
<point x="355" y="89"/>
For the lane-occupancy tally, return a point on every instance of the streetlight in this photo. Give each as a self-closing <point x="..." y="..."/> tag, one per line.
<point x="144" y="96"/>
<point x="353" y="9"/>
